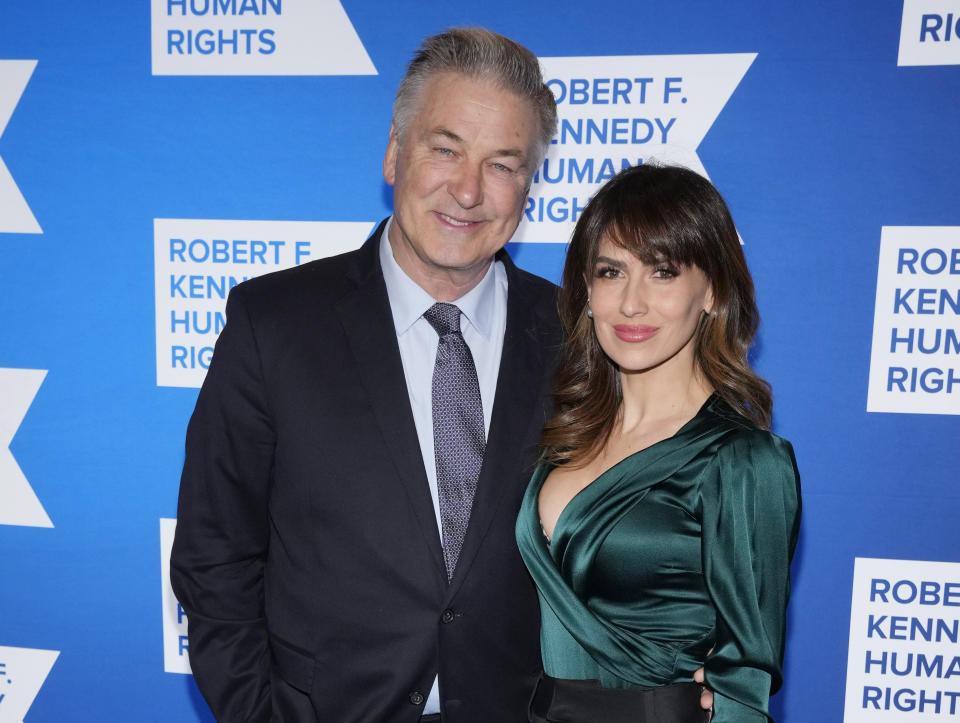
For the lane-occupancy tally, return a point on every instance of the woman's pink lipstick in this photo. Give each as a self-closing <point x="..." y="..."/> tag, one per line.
<point x="635" y="333"/>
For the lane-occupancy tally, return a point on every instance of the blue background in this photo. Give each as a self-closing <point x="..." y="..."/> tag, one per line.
<point x="824" y="141"/>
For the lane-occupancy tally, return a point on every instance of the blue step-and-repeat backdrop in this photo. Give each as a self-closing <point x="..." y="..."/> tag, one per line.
<point x="154" y="154"/>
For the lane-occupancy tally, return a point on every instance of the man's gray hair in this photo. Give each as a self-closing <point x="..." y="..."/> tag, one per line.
<point x="477" y="53"/>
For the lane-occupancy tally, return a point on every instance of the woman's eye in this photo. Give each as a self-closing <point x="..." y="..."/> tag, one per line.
<point x="607" y="272"/>
<point x="665" y="272"/>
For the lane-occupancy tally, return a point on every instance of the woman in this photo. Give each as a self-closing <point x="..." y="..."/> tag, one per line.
<point x="660" y="524"/>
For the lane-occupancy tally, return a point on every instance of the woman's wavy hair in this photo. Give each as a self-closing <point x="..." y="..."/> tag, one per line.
<point x="658" y="213"/>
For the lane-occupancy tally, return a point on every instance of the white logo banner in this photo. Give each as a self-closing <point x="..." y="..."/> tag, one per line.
<point x="915" y="357"/>
<point x="903" y="663"/>
<point x="620" y="111"/>
<point x="198" y="261"/>
<point x="255" y="37"/>
<point x="930" y="33"/>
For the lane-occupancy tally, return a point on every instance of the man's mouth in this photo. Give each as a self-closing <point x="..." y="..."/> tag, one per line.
<point x="454" y="221"/>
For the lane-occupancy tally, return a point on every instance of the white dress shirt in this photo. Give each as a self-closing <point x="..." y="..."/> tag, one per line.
<point x="483" y="320"/>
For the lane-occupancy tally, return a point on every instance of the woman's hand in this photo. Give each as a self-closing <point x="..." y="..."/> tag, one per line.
<point x="706" y="695"/>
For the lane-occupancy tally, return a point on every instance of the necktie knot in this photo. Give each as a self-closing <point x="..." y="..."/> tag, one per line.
<point x="444" y="318"/>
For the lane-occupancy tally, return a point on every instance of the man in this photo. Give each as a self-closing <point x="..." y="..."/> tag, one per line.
<point x="345" y="548"/>
<point x="329" y="566"/>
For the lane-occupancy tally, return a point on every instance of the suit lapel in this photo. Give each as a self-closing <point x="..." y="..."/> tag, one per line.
<point x="515" y="405"/>
<point x="368" y="326"/>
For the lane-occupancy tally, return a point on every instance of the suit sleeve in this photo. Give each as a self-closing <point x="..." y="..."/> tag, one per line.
<point x="751" y="514"/>
<point x="220" y="547"/>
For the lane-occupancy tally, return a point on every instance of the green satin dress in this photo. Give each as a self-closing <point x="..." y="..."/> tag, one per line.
<point x="682" y="547"/>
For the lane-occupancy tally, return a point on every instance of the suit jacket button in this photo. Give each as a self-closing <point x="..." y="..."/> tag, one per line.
<point x="416" y="697"/>
<point x="447" y="616"/>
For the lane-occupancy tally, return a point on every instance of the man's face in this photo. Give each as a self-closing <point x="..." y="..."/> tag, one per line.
<point x="460" y="178"/>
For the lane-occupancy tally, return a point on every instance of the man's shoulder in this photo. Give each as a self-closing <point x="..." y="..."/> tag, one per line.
<point x="535" y="293"/>
<point x="536" y="284"/>
<point x="528" y="284"/>
<point x="321" y="280"/>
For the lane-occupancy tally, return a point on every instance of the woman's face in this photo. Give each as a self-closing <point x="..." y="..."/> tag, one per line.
<point x="645" y="316"/>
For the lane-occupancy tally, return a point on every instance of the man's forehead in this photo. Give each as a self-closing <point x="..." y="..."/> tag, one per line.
<point x="451" y="88"/>
<point x="450" y="97"/>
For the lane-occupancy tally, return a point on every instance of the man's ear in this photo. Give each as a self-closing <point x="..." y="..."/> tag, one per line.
<point x="390" y="156"/>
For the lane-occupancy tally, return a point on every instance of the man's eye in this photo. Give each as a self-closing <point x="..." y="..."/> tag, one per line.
<point x="503" y="167"/>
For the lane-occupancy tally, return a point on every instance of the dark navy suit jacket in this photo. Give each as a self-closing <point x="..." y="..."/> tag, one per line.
<point x="307" y="555"/>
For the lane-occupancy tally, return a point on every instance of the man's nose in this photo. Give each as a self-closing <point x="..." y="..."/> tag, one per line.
<point x="466" y="185"/>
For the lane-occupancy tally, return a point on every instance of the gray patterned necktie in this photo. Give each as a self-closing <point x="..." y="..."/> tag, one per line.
<point x="458" y="430"/>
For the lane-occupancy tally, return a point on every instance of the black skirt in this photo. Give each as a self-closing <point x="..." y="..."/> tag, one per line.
<point x="585" y="701"/>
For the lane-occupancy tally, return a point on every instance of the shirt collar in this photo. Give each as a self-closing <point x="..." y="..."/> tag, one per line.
<point x="408" y="300"/>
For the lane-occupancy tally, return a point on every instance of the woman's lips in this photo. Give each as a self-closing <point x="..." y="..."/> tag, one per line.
<point x="635" y="333"/>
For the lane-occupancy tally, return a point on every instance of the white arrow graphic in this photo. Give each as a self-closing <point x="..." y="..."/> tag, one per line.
<point x="22" y="672"/>
<point x="15" y="214"/>
<point x="621" y="110"/>
<point x="20" y="506"/>
<point x="296" y="37"/>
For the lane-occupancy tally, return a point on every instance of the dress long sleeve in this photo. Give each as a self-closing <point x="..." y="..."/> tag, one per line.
<point x="751" y="514"/>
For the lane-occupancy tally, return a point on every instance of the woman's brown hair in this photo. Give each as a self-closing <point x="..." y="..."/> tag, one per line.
<point x="660" y="214"/>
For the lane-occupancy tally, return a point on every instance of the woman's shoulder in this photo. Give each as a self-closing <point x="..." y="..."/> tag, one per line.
<point x="743" y="435"/>
<point x="750" y="457"/>
<point x="753" y="441"/>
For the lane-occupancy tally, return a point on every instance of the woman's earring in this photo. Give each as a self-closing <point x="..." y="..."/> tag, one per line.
<point x="589" y="313"/>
